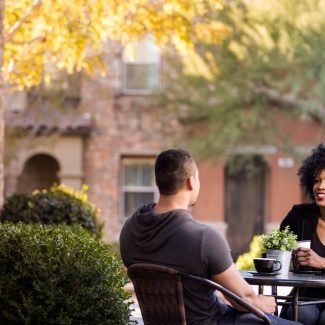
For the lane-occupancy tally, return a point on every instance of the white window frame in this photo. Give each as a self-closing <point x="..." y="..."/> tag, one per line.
<point x="136" y="189"/>
<point x="133" y="54"/>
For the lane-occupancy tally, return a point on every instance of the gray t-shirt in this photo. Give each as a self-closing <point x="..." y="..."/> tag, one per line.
<point x="175" y="239"/>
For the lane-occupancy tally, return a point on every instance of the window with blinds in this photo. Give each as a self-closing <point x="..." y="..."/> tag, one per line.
<point x="141" y="66"/>
<point x="141" y="76"/>
<point x="138" y="185"/>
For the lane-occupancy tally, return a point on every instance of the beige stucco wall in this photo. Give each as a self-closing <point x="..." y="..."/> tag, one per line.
<point x="66" y="150"/>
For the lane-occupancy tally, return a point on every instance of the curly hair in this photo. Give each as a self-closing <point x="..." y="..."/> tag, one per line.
<point x="311" y="168"/>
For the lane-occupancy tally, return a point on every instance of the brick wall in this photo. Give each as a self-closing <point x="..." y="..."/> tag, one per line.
<point x="122" y="125"/>
<point x="126" y="125"/>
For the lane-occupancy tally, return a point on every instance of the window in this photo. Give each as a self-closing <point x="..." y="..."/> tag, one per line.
<point x="138" y="185"/>
<point x="15" y="101"/>
<point x="62" y="92"/>
<point x="141" y="68"/>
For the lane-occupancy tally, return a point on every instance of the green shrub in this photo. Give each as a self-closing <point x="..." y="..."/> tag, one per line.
<point x="59" y="275"/>
<point x="114" y="249"/>
<point x="56" y="205"/>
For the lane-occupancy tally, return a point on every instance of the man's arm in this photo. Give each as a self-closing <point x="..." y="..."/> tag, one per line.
<point x="232" y="280"/>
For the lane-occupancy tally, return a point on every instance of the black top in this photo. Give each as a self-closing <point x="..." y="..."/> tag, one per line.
<point x="303" y="219"/>
<point x="319" y="247"/>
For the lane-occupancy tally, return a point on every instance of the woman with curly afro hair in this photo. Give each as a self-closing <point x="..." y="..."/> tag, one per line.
<point x="308" y="222"/>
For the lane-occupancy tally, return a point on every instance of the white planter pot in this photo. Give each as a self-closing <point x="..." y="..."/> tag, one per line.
<point x="283" y="256"/>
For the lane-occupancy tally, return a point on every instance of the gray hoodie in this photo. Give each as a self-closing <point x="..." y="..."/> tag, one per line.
<point x="175" y="239"/>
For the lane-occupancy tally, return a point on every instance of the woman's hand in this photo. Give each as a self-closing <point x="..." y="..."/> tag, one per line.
<point x="306" y="256"/>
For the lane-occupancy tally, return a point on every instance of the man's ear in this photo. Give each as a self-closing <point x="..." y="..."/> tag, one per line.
<point x="190" y="182"/>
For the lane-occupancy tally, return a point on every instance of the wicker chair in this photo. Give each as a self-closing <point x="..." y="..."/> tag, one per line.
<point x="159" y="291"/>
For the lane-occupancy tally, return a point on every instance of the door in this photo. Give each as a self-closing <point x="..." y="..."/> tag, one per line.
<point x="245" y="200"/>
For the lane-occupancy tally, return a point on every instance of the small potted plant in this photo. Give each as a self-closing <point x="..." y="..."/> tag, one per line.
<point x="279" y="244"/>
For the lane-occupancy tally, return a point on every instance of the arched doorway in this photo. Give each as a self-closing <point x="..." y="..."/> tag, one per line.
<point x="245" y="200"/>
<point x="39" y="172"/>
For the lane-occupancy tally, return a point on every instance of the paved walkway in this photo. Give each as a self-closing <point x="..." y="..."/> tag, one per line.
<point x="136" y="315"/>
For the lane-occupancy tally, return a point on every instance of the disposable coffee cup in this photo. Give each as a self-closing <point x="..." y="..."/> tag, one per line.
<point x="296" y="266"/>
<point x="303" y="243"/>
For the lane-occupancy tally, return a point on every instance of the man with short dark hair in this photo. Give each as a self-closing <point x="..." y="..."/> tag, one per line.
<point x="165" y="233"/>
<point x="172" y="168"/>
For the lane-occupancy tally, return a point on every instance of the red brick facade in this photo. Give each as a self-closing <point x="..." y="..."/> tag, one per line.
<point x="125" y="125"/>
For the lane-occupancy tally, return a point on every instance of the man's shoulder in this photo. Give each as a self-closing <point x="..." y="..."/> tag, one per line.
<point x="206" y="230"/>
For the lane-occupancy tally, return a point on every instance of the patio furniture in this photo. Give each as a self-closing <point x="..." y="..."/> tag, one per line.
<point x="297" y="281"/>
<point x="159" y="291"/>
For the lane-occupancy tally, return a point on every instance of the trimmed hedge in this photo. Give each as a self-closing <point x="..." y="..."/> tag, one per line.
<point x="114" y="249"/>
<point x="56" y="205"/>
<point x="59" y="275"/>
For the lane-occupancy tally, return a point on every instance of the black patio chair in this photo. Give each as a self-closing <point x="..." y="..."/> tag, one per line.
<point x="159" y="291"/>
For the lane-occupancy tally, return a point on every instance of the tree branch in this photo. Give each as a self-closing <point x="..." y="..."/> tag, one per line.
<point x="9" y="35"/>
<point x="36" y="39"/>
<point x="289" y="100"/>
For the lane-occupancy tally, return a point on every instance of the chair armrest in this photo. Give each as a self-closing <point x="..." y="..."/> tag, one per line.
<point x="242" y="302"/>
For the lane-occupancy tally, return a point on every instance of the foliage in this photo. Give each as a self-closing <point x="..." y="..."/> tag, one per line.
<point x="270" y="63"/>
<point x="284" y="240"/>
<point x="246" y="260"/>
<point x="37" y="37"/>
<point x="58" y="204"/>
<point x="56" y="275"/>
<point x="72" y="35"/>
<point x="114" y="249"/>
<point x="2" y="121"/>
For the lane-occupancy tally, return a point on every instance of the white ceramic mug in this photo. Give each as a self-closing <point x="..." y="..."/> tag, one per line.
<point x="296" y="266"/>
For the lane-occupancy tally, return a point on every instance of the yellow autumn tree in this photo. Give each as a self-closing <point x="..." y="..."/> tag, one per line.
<point x="71" y="34"/>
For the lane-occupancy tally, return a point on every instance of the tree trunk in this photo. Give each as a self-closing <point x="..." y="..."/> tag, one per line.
<point x="2" y="117"/>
